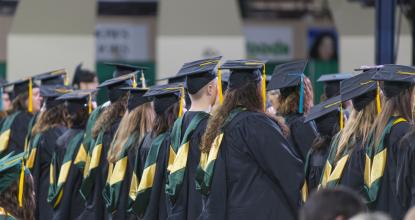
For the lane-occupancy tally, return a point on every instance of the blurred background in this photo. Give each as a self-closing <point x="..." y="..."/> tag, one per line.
<point x="335" y="35"/>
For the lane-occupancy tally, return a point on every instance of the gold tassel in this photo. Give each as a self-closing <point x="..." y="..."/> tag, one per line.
<point x="341" y="117"/>
<point x="143" y="80"/>
<point x="264" y="87"/>
<point x="378" y="105"/>
<point x="181" y="101"/>
<point x="66" y="83"/>
<point x="90" y="104"/>
<point x="134" y="81"/>
<point x="21" y="185"/>
<point x="30" y="104"/>
<point x="220" y="85"/>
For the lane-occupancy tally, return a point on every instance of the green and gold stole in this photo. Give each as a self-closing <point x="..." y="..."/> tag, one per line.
<point x="5" y="132"/>
<point x="56" y="187"/>
<point x="32" y="149"/>
<point x="179" y="151"/>
<point x="205" y="170"/>
<point x="375" y="161"/>
<point x="116" y="175"/>
<point x="143" y="191"/>
<point x="304" y="189"/>
<point x="5" y="216"/>
<point x="82" y="160"/>
<point x="28" y="137"/>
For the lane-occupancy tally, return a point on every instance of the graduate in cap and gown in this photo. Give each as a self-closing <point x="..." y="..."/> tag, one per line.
<point x="390" y="154"/>
<point x="332" y="84"/>
<point x="103" y="131"/>
<point x="294" y="102"/>
<point x="247" y="168"/>
<point x="135" y="125"/>
<point x="183" y="201"/>
<point x="27" y="101"/>
<point x="147" y="194"/>
<point x="65" y="177"/>
<point x="49" y="127"/>
<point x="345" y="161"/>
<point x="17" y="200"/>
<point x="326" y="115"/>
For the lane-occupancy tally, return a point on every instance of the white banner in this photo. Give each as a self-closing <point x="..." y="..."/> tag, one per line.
<point x="274" y="43"/>
<point x="122" y="42"/>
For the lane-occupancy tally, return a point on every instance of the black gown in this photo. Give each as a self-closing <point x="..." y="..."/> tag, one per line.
<point x="71" y="205"/>
<point x="188" y="204"/>
<point x="251" y="179"/>
<point x="19" y="130"/>
<point x="95" y="204"/>
<point x="40" y="171"/>
<point x="302" y="134"/>
<point x="397" y="190"/>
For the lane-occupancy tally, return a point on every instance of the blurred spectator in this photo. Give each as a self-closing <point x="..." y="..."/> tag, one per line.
<point x="332" y="204"/>
<point x="324" y="47"/>
<point x="371" y="216"/>
<point x="7" y="101"/>
<point x="84" y="79"/>
<point x="410" y="215"/>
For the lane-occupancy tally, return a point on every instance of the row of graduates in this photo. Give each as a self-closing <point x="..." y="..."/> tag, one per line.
<point x="142" y="156"/>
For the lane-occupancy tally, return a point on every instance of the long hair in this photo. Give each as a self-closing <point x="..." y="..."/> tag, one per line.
<point x="290" y="97"/>
<point x="399" y="105"/>
<point x="51" y="118"/>
<point x="137" y="122"/>
<point x="19" y="103"/>
<point x="9" y="200"/>
<point x="357" y="128"/>
<point x="76" y="119"/>
<point x="165" y="121"/>
<point x="247" y="96"/>
<point x="111" y="113"/>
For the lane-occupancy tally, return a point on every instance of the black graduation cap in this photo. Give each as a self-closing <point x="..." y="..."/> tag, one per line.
<point x="361" y="89"/>
<point x="78" y="99"/>
<point x="21" y="86"/>
<point x="114" y="86"/>
<point x="332" y="83"/>
<point x="288" y="76"/>
<point x="136" y="97"/>
<point x="324" y="108"/>
<point x="56" y="77"/>
<point x="225" y="81"/>
<point x="165" y="96"/>
<point x="51" y="93"/>
<point x="199" y="73"/>
<point x="124" y="69"/>
<point x="396" y="78"/>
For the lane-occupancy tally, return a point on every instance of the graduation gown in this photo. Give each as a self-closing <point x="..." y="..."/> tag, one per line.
<point x="315" y="165"/>
<point x="95" y="204"/>
<point x="302" y="134"/>
<point x="397" y="190"/>
<point x="18" y="132"/>
<point x="251" y="179"/>
<point x="188" y="204"/>
<point x="40" y="172"/>
<point x="71" y="205"/>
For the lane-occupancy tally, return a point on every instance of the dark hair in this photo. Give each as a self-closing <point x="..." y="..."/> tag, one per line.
<point x="50" y="118"/>
<point x="87" y="76"/>
<point x="165" y="121"/>
<point x="19" y="103"/>
<point x="317" y="42"/>
<point x="110" y="114"/>
<point x="76" y="119"/>
<point x="327" y="127"/>
<point x="327" y="204"/>
<point x="9" y="200"/>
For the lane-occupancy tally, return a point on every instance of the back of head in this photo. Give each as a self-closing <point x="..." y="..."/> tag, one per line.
<point x="331" y="204"/>
<point x="371" y="216"/>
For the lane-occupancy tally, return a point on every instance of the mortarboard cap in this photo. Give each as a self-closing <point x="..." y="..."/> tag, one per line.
<point x="136" y="97"/>
<point x="78" y="99"/>
<point x="124" y="69"/>
<point x="56" y="77"/>
<point x="396" y="78"/>
<point x="24" y="85"/>
<point x="337" y="77"/>
<point x="324" y="108"/>
<point x="51" y="93"/>
<point x="199" y="73"/>
<point x="166" y="95"/>
<point x="115" y="84"/>
<point x="12" y="171"/>
<point x="332" y="83"/>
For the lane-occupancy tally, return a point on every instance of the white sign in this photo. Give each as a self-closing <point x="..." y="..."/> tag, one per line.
<point x="122" y="42"/>
<point x="274" y="43"/>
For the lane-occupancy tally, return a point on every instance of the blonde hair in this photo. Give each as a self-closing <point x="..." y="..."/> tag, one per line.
<point x="138" y="122"/>
<point x="358" y="126"/>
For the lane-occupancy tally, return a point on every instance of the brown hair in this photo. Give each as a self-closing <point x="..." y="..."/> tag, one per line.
<point x="289" y="104"/>
<point x="19" y="103"/>
<point x="399" y="105"/>
<point x="110" y="114"/>
<point x="50" y="118"/>
<point x="139" y="122"/>
<point x="165" y="121"/>
<point x="357" y="127"/>
<point x="9" y="200"/>
<point x="79" y="118"/>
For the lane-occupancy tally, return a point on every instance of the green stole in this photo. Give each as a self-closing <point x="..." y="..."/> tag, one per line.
<point x="143" y="191"/>
<point x="375" y="161"/>
<point x="29" y="135"/>
<point x="56" y="187"/>
<point x="32" y="149"/>
<point x="205" y="170"/>
<point x="116" y="175"/>
<point x="179" y="151"/>
<point x="6" y="131"/>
